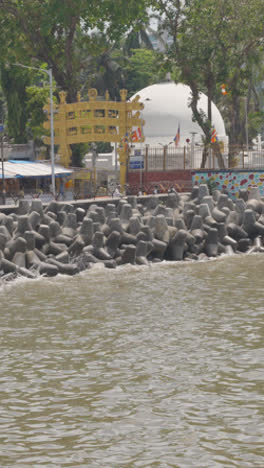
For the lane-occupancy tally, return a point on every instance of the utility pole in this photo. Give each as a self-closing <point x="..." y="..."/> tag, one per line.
<point x="52" y="156"/>
<point x="49" y="71"/>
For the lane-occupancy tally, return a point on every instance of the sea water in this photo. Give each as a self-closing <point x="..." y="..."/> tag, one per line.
<point x="158" y="366"/>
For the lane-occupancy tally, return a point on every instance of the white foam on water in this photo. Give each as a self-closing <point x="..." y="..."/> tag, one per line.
<point x="98" y="269"/>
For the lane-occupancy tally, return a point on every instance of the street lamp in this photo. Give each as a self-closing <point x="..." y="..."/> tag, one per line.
<point x="49" y="73"/>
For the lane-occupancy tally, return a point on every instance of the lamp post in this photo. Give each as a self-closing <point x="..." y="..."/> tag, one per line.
<point x="49" y="73"/>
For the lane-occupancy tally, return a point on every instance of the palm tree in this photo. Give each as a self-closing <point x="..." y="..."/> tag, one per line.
<point x="137" y="39"/>
<point x="101" y="67"/>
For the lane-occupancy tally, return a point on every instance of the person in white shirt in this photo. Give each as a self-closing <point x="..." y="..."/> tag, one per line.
<point x="116" y="192"/>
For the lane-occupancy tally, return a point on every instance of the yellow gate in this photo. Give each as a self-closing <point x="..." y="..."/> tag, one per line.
<point x="96" y="120"/>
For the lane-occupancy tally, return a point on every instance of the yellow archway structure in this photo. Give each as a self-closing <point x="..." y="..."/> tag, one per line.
<point x="95" y="120"/>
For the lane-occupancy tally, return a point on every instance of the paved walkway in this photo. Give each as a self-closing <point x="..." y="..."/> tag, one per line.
<point x="45" y="198"/>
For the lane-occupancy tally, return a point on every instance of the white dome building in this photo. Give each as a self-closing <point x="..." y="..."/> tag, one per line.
<point x="166" y="108"/>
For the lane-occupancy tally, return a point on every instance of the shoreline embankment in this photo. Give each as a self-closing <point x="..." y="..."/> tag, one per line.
<point x="67" y="238"/>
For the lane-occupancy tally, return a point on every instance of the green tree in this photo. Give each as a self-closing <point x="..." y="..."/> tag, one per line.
<point x="211" y="43"/>
<point x="36" y="99"/>
<point x="2" y="106"/>
<point x="62" y="34"/>
<point x="137" y="37"/>
<point x="49" y="31"/>
<point x="142" y="70"/>
<point x="243" y="104"/>
<point x="104" y="71"/>
<point x="14" y="85"/>
<point x="104" y="147"/>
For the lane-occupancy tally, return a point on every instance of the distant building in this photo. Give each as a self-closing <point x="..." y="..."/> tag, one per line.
<point x="25" y="152"/>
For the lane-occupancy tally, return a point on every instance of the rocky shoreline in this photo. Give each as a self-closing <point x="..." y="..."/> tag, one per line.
<point x="67" y="239"/>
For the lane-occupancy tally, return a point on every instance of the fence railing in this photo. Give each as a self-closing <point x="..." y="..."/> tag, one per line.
<point x="186" y="157"/>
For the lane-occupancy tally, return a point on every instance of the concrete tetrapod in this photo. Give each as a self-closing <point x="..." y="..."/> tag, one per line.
<point x="66" y="238"/>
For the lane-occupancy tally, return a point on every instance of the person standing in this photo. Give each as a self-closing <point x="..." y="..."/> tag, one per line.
<point x="61" y="190"/>
<point x="117" y="193"/>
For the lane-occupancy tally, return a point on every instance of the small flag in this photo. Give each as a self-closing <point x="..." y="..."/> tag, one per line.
<point x="214" y="137"/>
<point x="136" y="135"/>
<point x="223" y="89"/>
<point x="177" y="136"/>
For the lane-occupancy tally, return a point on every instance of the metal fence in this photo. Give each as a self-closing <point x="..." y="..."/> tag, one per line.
<point x="168" y="158"/>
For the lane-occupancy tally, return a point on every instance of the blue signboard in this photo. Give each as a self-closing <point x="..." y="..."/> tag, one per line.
<point x="138" y="165"/>
<point x="136" y="162"/>
<point x="1" y="128"/>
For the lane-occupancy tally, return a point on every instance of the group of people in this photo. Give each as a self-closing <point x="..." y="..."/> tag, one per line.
<point x="156" y="190"/>
<point x="141" y="192"/>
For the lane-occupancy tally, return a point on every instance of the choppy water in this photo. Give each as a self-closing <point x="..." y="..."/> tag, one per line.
<point x="137" y="367"/>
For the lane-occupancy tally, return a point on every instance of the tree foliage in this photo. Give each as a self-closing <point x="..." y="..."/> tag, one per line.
<point x="49" y="31"/>
<point x="3" y="110"/>
<point x="105" y="44"/>
<point x="64" y="36"/>
<point x="14" y="88"/>
<point x="214" y="43"/>
<point x="141" y="70"/>
<point x="103" y="72"/>
<point x="36" y="99"/>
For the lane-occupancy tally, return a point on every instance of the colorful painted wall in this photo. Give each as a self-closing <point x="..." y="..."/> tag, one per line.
<point x="231" y="181"/>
